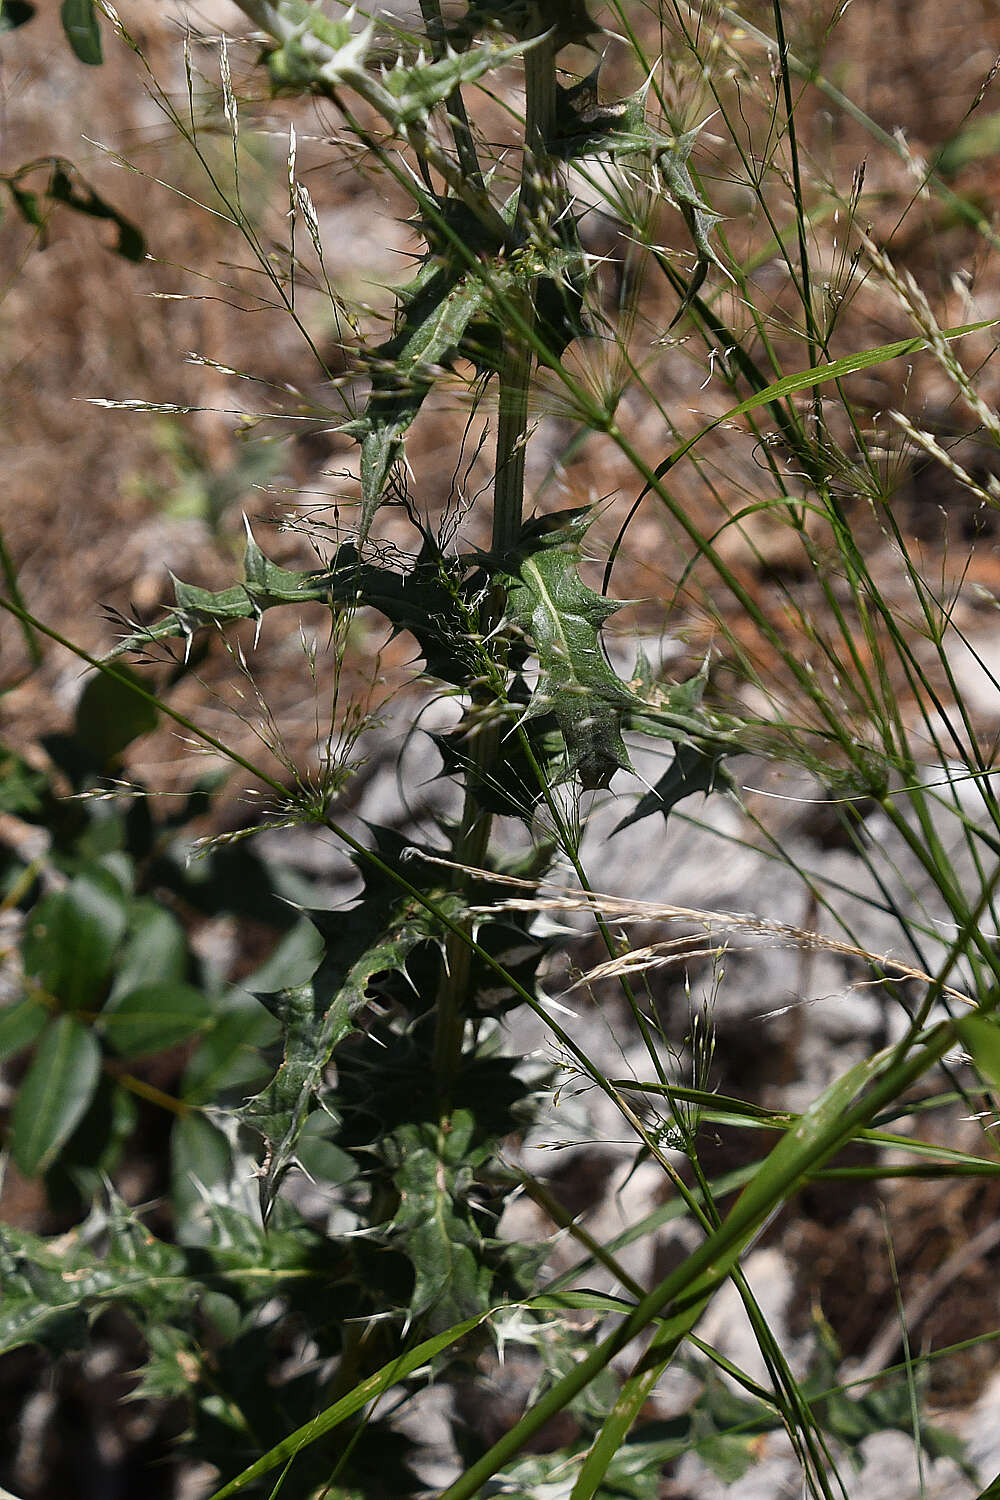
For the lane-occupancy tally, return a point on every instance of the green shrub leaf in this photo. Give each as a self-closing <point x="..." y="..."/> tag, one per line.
<point x="55" y="1094"/>
<point x="21" y="1023"/>
<point x="79" y="19"/>
<point x="72" y="936"/>
<point x="14" y="13"/>
<point x="111" y="714"/>
<point x="154" y="1017"/>
<point x="980" y="1036"/>
<point x="155" y="950"/>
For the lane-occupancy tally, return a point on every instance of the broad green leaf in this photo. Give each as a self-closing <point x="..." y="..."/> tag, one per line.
<point x="72" y="936"/>
<point x="154" y="1017"/>
<point x="54" y="1095"/>
<point x="294" y="961"/>
<point x="91" y="1155"/>
<point x="14" y="13"/>
<point x="21" y="1023"/>
<point x="83" y="33"/>
<point x="980" y="1036"/>
<point x="231" y="1055"/>
<point x="200" y="1157"/>
<point x="562" y="619"/>
<point x="155" y="950"/>
<point x="110" y="715"/>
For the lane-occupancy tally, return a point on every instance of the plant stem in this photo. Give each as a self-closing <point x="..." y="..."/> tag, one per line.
<point x="471" y="842"/>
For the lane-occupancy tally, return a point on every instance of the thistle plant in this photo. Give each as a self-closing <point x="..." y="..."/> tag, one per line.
<point x="375" y="1062"/>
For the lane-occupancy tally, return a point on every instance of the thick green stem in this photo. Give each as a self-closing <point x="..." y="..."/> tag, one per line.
<point x="472" y="838"/>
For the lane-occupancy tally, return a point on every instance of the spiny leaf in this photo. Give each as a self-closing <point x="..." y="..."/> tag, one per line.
<point x="585" y="127"/>
<point x="702" y="741"/>
<point x="426" y="601"/>
<point x="434" y="313"/>
<point x="691" y="770"/>
<point x="375" y="936"/>
<point x="52" y="1288"/>
<point x="432" y="1226"/>
<point x="49" y="1289"/>
<point x="562" y="618"/>
<point x="417" y="90"/>
<point x="66" y="186"/>
<point x="512" y="786"/>
<point x="567" y="20"/>
<point x="316" y="51"/>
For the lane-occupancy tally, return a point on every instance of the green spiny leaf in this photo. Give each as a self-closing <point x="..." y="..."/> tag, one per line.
<point x="566" y="19"/>
<point x="585" y="128"/>
<point x="417" y="90"/>
<point x="426" y="601"/>
<point x="691" y="770"/>
<point x="562" y="618"/>
<point x="432" y="1171"/>
<point x="316" y="1016"/>
<point x="316" y="51"/>
<point x="434" y="313"/>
